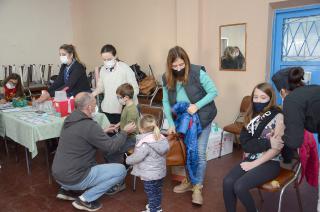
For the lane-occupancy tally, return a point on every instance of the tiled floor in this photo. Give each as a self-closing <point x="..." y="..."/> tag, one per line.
<point x="20" y="192"/>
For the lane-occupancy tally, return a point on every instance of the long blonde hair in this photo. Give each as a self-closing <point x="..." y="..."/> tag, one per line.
<point x="148" y="123"/>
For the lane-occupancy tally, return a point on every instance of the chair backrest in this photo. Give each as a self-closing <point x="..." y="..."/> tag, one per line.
<point x="157" y="112"/>
<point x="245" y="103"/>
<point x="49" y="73"/>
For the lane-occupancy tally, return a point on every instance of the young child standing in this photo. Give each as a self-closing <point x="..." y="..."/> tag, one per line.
<point x="129" y="114"/>
<point x="149" y="161"/>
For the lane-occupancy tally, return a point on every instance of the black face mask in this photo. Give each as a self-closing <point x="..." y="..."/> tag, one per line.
<point x="178" y="74"/>
<point x="258" y="106"/>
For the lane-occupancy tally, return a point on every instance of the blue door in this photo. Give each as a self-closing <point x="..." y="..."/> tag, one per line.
<point x="296" y="41"/>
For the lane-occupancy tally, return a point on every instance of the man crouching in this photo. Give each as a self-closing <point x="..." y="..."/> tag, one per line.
<point x="75" y="166"/>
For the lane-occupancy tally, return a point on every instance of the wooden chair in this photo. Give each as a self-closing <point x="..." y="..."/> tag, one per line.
<point x="155" y="97"/>
<point x="236" y="126"/>
<point x="157" y="112"/>
<point x="284" y="179"/>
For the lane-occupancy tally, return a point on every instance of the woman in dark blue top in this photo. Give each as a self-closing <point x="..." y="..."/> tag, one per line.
<point x="72" y="77"/>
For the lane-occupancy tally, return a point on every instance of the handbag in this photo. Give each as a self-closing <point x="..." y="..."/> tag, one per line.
<point x="147" y="85"/>
<point x="176" y="155"/>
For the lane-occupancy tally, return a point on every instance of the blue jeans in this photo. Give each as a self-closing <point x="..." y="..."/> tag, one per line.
<point x="153" y="190"/>
<point x="202" y="155"/>
<point x="99" y="180"/>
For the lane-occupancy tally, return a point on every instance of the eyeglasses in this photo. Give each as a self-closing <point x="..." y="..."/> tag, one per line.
<point x="119" y="97"/>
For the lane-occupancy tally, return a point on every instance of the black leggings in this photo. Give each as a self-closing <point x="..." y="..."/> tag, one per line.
<point x="238" y="183"/>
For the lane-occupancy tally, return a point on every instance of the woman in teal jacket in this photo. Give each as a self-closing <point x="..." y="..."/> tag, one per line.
<point x="185" y="82"/>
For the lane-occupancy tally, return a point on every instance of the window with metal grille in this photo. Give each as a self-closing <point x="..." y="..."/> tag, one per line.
<point x="301" y="39"/>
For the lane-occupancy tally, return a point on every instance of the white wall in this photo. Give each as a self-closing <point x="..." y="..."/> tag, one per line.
<point x="236" y="36"/>
<point x="31" y="31"/>
<point x="141" y="30"/>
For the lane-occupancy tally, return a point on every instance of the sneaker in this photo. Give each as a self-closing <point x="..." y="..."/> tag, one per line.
<point x="116" y="189"/>
<point x="66" y="195"/>
<point x="148" y="210"/>
<point x="197" y="198"/>
<point x="183" y="187"/>
<point x="87" y="206"/>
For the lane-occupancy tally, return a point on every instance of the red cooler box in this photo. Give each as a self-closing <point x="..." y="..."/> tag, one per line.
<point x="64" y="107"/>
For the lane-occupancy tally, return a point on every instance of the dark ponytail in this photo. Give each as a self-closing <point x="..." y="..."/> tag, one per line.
<point x="295" y="78"/>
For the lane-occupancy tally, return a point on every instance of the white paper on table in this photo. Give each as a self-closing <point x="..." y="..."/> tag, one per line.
<point x="11" y="110"/>
<point x="6" y="106"/>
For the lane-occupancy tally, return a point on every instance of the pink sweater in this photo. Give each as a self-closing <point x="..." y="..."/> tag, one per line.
<point x="309" y="159"/>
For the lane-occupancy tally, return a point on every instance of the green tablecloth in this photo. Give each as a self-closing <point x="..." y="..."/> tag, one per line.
<point x="27" y="133"/>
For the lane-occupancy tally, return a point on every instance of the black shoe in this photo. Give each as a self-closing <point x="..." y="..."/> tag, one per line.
<point x="116" y="188"/>
<point x="87" y="206"/>
<point x="66" y="195"/>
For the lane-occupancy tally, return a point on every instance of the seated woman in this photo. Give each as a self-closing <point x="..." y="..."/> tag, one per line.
<point x="263" y="121"/>
<point x="12" y="88"/>
<point x="72" y="77"/>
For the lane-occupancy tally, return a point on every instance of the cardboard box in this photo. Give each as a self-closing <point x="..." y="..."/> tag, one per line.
<point x="213" y="147"/>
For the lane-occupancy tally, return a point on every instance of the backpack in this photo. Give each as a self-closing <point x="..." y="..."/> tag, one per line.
<point x="139" y="74"/>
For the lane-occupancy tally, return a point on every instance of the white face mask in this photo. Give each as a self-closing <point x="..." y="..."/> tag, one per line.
<point x="109" y="63"/>
<point x="96" y="111"/>
<point x="121" y="101"/>
<point x="64" y="59"/>
<point x="9" y="85"/>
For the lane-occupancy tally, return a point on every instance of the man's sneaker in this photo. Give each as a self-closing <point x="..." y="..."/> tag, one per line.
<point x="87" y="206"/>
<point x="183" y="187"/>
<point x="116" y="188"/>
<point x="66" y="195"/>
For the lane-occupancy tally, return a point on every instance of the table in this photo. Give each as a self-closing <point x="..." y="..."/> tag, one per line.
<point x="27" y="133"/>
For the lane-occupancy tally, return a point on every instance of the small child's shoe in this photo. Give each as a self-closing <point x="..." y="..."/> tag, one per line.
<point x="148" y="210"/>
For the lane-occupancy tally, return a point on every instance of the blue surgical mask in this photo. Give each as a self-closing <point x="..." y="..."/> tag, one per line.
<point x="259" y="106"/>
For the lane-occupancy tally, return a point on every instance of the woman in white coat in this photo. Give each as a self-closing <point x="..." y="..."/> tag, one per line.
<point x="113" y="74"/>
